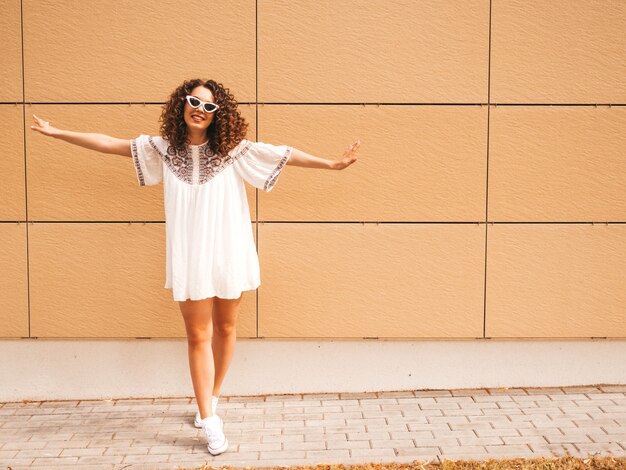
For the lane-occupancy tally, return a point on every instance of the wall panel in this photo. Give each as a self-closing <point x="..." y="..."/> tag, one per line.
<point x="91" y="280"/>
<point x="12" y="189"/>
<point x="14" y="285"/>
<point x="557" y="164"/>
<point x="430" y="146"/>
<point x="135" y="51"/>
<point x="11" y="51"/>
<point x="373" y="280"/>
<point x="556" y="281"/>
<point x="558" y="51"/>
<point x="416" y="163"/>
<point x="377" y="51"/>
<point x="68" y="182"/>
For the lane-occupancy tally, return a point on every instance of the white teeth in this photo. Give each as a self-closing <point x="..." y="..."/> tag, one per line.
<point x="198" y="118"/>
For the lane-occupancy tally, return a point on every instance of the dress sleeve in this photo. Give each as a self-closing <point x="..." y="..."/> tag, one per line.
<point x="260" y="163"/>
<point x="147" y="161"/>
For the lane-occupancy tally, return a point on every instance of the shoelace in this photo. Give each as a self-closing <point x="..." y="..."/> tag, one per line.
<point x="211" y="432"/>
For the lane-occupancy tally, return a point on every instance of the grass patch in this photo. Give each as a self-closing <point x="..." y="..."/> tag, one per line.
<point x="542" y="463"/>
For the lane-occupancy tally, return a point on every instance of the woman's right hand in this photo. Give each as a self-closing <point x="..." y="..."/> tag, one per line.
<point x="44" y="127"/>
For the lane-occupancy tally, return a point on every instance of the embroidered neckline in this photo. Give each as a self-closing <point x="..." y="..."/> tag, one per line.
<point x="180" y="161"/>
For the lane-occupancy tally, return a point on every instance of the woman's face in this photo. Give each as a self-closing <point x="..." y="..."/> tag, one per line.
<point x="198" y="119"/>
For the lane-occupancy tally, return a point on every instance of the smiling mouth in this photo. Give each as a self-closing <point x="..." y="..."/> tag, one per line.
<point x="197" y="118"/>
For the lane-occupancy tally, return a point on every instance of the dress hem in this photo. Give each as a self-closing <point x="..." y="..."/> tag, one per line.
<point x="227" y="296"/>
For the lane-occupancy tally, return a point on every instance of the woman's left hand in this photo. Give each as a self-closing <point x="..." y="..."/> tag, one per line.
<point x="348" y="157"/>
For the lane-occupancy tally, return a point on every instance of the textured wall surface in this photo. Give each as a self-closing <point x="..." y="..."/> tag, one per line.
<point x="489" y="198"/>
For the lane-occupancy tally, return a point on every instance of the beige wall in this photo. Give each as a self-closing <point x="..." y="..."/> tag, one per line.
<point x="489" y="199"/>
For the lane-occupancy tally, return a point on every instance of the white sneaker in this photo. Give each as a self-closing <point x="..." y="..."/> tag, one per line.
<point x="213" y="429"/>
<point x="197" y="422"/>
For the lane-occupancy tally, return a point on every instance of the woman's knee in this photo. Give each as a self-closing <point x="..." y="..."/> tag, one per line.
<point x="224" y="328"/>
<point x="198" y="337"/>
<point x="198" y="319"/>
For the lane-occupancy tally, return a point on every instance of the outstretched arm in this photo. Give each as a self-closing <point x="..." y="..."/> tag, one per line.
<point x="300" y="158"/>
<point x="100" y="142"/>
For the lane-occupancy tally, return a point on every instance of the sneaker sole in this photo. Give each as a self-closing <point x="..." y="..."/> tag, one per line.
<point x="220" y="449"/>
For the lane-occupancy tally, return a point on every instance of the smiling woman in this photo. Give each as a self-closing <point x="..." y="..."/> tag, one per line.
<point x="199" y="112"/>
<point x="203" y="158"/>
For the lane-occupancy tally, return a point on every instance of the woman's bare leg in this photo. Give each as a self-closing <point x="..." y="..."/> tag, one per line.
<point x="199" y="326"/>
<point x="225" y="312"/>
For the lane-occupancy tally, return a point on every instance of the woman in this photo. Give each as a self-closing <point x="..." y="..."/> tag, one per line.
<point x="202" y="157"/>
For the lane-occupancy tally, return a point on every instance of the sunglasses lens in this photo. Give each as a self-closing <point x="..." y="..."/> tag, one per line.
<point x="209" y="107"/>
<point x="194" y="102"/>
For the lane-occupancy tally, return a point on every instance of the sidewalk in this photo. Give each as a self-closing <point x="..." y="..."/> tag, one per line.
<point x="318" y="428"/>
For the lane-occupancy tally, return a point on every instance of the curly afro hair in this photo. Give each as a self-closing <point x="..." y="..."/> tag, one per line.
<point x="227" y="129"/>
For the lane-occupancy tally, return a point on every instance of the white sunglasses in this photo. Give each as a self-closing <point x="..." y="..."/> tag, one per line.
<point x="206" y="105"/>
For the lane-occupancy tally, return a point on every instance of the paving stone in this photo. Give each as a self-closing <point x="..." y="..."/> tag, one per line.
<point x="440" y="441"/>
<point x="605" y="396"/>
<point x="7" y="454"/>
<point x="396" y="394"/>
<point x="453" y="433"/>
<point x="501" y="432"/>
<point x="51" y="462"/>
<point x="433" y="393"/>
<point x="143" y="459"/>
<point x="447" y="419"/>
<point x="426" y="434"/>
<point x="428" y="426"/>
<point x="11" y="445"/>
<point x="17" y="463"/>
<point x="326" y="437"/>
<point x="473" y="426"/>
<point x="568" y="438"/>
<point x="613" y="388"/>
<point x="379" y="401"/>
<point x="133" y="450"/>
<point x="524" y="440"/>
<point x="82" y="452"/>
<point x="421" y="415"/>
<point x="68" y="444"/>
<point x="374" y="414"/>
<point x="545" y="390"/>
<point x="156" y="449"/>
<point x="480" y="441"/>
<point x="513" y="450"/>
<point x="367" y="436"/>
<point x="614" y="437"/>
<point x="570" y="396"/>
<point x="319" y="428"/>
<point x="509" y="424"/>
<point x="277" y="454"/>
<point x="420" y="452"/>
<point x="373" y="453"/>
<point x="600" y="447"/>
<point x="492" y="398"/>
<point x="347" y="444"/>
<point x="451" y="449"/>
<point x="393" y="443"/>
<point x="460" y="392"/>
<point x="479" y="406"/>
<point x="357" y="395"/>
<point x="327" y="456"/>
<point x="307" y="445"/>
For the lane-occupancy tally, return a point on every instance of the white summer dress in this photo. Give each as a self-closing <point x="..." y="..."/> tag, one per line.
<point x="210" y="248"/>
